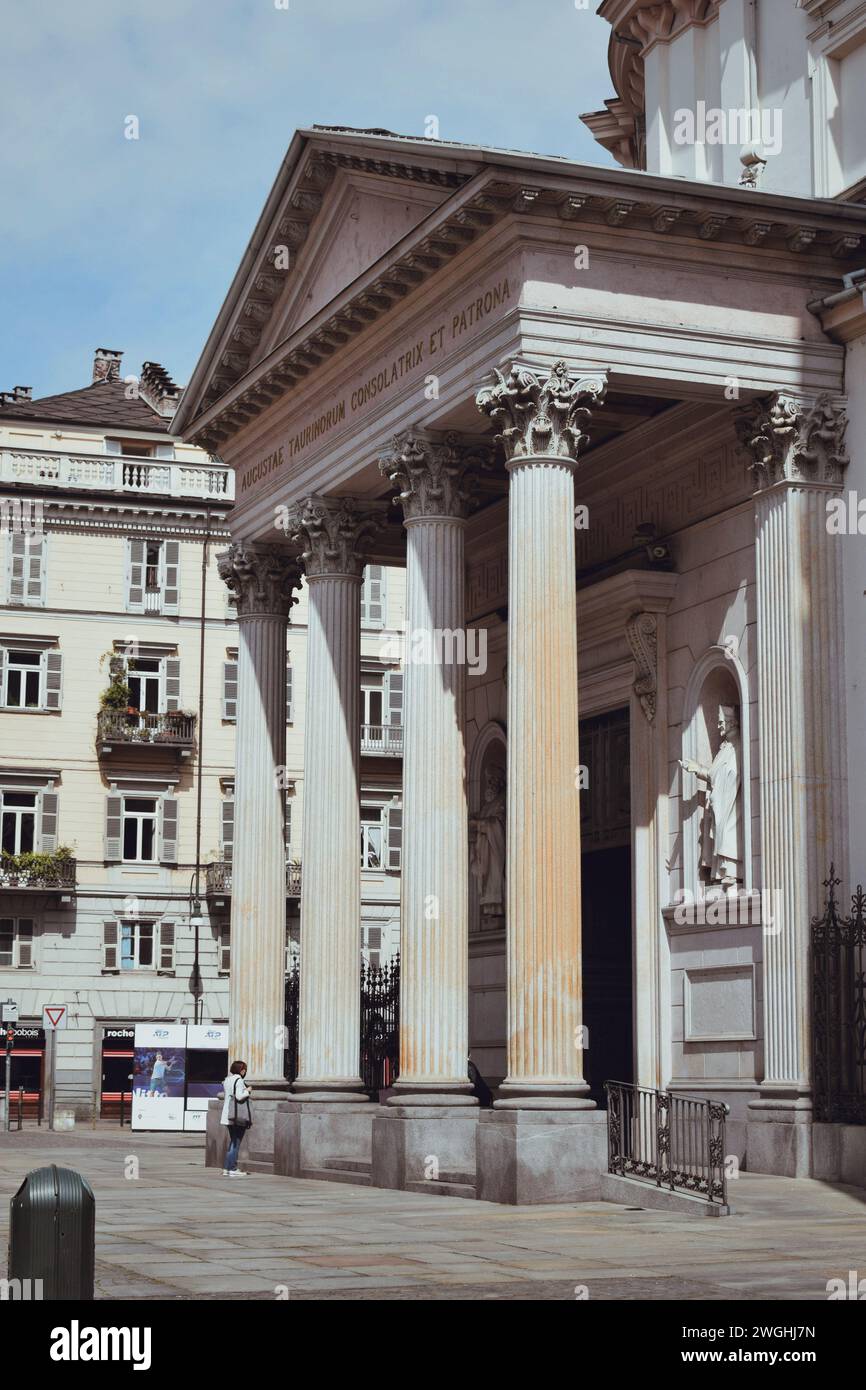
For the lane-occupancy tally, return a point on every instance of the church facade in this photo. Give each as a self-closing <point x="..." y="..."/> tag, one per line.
<point x="601" y="418"/>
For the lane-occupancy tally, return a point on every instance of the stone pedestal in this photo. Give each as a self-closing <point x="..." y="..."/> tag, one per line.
<point x="526" y="1156"/>
<point x="779" y="1137"/>
<point x="426" y="1144"/>
<point x="321" y="1139"/>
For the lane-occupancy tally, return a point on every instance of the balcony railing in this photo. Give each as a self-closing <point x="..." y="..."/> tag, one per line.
<point x="218" y="879"/>
<point x="386" y="739"/>
<point x="116" y="473"/>
<point x="39" y="872"/>
<point x="172" y="730"/>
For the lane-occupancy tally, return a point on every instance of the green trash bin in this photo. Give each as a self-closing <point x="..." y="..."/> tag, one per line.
<point x="52" y="1233"/>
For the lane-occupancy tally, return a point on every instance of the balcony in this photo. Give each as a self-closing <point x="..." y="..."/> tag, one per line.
<point x="218" y="880"/>
<point x="174" y="731"/>
<point x="39" y="873"/>
<point x="116" y="473"/>
<point x="383" y="739"/>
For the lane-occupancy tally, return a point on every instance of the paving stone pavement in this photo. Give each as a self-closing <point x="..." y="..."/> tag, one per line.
<point x="181" y="1231"/>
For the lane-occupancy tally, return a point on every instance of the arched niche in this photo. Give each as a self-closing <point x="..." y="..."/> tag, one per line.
<point x="489" y="751"/>
<point x="718" y="678"/>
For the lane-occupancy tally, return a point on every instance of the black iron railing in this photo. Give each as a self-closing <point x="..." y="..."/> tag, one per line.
<point x="39" y="871"/>
<point x="218" y="878"/>
<point x="839" y="1010"/>
<point x="380" y="1024"/>
<point x="672" y="1141"/>
<point x="120" y="726"/>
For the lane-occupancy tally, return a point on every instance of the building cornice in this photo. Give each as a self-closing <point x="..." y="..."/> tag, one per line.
<point x="581" y="196"/>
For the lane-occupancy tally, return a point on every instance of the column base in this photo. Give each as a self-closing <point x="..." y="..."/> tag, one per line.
<point x="258" y="1146"/>
<point x="532" y="1155"/>
<point x="779" y="1134"/>
<point x="515" y="1095"/>
<point x="426" y="1143"/>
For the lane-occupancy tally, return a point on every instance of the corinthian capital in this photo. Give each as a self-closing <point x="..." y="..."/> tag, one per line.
<point x="262" y="577"/>
<point x="436" y="476"/>
<point x="332" y="533"/>
<point x="541" y="418"/>
<point x="792" y="440"/>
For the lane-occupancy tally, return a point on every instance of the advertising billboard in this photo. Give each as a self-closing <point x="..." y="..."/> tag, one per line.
<point x="206" y="1066"/>
<point x="158" y="1076"/>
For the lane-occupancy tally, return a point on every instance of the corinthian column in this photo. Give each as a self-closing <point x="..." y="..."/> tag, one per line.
<point x="799" y="462"/>
<point x="540" y="425"/>
<point x="262" y="578"/>
<point x="434" y="896"/>
<point x="332" y="532"/>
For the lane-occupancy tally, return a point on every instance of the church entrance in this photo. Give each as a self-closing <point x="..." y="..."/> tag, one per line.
<point x="606" y="901"/>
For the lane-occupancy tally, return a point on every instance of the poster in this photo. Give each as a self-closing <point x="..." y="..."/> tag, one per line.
<point x="206" y="1066"/>
<point x="159" y="1076"/>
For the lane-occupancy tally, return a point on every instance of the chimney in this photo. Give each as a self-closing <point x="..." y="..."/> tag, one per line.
<point x="157" y="388"/>
<point x="16" y="395"/>
<point x="106" y="364"/>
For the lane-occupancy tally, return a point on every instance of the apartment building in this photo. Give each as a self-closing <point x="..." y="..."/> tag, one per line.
<point x="118" y="705"/>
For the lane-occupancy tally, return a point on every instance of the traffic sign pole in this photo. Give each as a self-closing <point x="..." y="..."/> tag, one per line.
<point x="53" y="1017"/>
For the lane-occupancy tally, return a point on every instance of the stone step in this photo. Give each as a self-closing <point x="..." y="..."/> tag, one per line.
<point x="360" y="1179"/>
<point x="256" y="1165"/>
<point x="443" y="1189"/>
<point x="349" y="1165"/>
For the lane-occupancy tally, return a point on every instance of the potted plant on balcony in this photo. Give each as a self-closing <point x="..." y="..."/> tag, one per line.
<point x="31" y="869"/>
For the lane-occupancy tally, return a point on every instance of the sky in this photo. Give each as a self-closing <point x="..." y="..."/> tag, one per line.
<point x="131" y="244"/>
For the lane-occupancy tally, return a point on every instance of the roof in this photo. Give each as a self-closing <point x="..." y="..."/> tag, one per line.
<point x="102" y="403"/>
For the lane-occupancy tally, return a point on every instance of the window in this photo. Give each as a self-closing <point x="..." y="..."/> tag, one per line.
<point x="230" y="690"/>
<point x="138" y="945"/>
<point x="371" y="942"/>
<point x="371" y="837"/>
<point x="144" y="678"/>
<point x="224" y="951"/>
<point x="373" y="596"/>
<point x="372" y="698"/>
<point x="30" y="678"/>
<point x="16" y="943"/>
<point x="139" y="829"/>
<point x="19" y="822"/>
<point x="25" y="582"/>
<point x="23" y="689"/>
<point x="152" y="576"/>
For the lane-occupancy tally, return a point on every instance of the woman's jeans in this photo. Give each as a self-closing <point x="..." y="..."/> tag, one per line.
<point x="236" y="1134"/>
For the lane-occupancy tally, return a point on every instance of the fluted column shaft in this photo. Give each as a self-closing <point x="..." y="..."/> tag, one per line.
<point x="262" y="577"/>
<point x="543" y="827"/>
<point x="330" y="999"/>
<point x="434" y="1029"/>
<point x="332" y="531"/>
<point x="541" y="423"/>
<point x="258" y="911"/>
<point x="799" y="461"/>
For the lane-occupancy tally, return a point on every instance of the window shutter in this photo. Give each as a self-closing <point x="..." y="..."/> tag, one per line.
<point x="53" y="679"/>
<point x="168" y="830"/>
<point x="48" y="823"/>
<point x="395" y="699"/>
<point x="393" y="834"/>
<point x="35" y="569"/>
<point x="166" y="946"/>
<point x="172" y="683"/>
<point x="289" y="691"/>
<point x="230" y="690"/>
<point x="117" y="668"/>
<point x="171" y="580"/>
<point x="109" y="946"/>
<point x="113" y="826"/>
<point x="25" y="944"/>
<point x="287" y="825"/>
<point x="372" y="605"/>
<point x="225" y="952"/>
<point x="17" y="567"/>
<point x="136" y="555"/>
<point x="228" y="828"/>
<point x="2" y="674"/>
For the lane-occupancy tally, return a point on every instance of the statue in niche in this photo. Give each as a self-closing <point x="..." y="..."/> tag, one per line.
<point x="487" y="845"/>
<point x="721" y="826"/>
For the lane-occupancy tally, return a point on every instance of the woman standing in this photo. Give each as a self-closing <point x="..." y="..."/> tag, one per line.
<point x="236" y="1116"/>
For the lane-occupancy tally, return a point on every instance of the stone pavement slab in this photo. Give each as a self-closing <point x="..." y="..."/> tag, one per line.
<point x="180" y="1231"/>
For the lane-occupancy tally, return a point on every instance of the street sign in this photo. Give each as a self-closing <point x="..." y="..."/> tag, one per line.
<point x="54" y="1017"/>
<point x="8" y="1011"/>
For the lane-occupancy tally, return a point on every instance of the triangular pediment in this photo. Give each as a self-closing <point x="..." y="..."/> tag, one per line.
<point x="362" y="217"/>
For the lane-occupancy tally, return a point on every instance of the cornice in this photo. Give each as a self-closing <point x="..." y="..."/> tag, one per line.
<point x="589" y="197"/>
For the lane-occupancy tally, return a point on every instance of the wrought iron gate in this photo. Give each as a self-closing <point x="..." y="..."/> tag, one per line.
<point x="839" y="1010"/>
<point x="380" y="1024"/>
